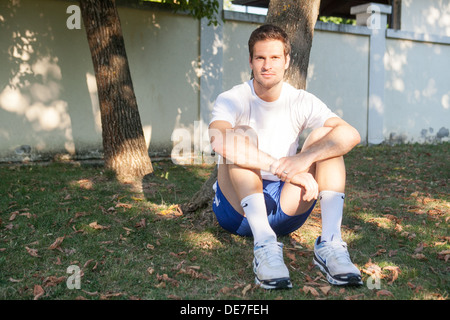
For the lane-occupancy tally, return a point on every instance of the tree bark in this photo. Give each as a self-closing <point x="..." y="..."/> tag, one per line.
<point x="125" y="150"/>
<point x="297" y="18"/>
<point x="202" y="198"/>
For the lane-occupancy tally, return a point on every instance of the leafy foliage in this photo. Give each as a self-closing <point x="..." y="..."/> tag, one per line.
<point x="197" y="8"/>
<point x="337" y="20"/>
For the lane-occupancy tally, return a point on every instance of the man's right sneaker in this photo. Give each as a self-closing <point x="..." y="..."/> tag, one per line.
<point x="333" y="259"/>
<point x="269" y="268"/>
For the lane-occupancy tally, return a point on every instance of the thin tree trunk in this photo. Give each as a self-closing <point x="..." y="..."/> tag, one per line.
<point x="125" y="150"/>
<point x="203" y="198"/>
<point x="297" y="18"/>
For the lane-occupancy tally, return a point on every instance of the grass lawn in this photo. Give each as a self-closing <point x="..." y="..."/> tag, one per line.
<point x="62" y="220"/>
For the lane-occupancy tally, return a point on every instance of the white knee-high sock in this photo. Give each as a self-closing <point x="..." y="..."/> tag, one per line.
<point x="254" y="207"/>
<point x="331" y="205"/>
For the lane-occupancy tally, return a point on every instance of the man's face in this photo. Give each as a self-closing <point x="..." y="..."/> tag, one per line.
<point x="268" y="63"/>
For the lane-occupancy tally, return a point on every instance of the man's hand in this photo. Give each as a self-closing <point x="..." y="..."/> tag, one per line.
<point x="302" y="179"/>
<point x="309" y="184"/>
<point x="288" y="167"/>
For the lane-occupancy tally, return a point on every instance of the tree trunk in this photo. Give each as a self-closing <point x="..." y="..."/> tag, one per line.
<point x="202" y="198"/>
<point x="297" y="18"/>
<point x="125" y="150"/>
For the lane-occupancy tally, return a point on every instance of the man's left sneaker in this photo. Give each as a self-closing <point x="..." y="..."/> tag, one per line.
<point x="333" y="259"/>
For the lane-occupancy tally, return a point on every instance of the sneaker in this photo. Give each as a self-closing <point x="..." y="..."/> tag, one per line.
<point x="333" y="259"/>
<point x="269" y="268"/>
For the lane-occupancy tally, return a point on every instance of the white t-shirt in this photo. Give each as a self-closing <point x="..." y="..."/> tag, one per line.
<point x="278" y="124"/>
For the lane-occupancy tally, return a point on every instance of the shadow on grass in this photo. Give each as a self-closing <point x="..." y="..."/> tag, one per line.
<point x="397" y="218"/>
<point x="138" y="246"/>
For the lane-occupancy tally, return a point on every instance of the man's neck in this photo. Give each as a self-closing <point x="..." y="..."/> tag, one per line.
<point x="268" y="94"/>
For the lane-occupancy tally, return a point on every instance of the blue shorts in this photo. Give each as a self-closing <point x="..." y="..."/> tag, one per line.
<point x="281" y="223"/>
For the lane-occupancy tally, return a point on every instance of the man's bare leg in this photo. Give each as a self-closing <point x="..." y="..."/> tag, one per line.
<point x="330" y="176"/>
<point x="243" y="189"/>
<point x="330" y="251"/>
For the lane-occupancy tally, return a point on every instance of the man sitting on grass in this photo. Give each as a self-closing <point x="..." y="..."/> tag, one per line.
<point x="266" y="189"/>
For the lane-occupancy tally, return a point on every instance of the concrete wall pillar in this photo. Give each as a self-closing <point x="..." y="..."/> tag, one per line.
<point x="374" y="16"/>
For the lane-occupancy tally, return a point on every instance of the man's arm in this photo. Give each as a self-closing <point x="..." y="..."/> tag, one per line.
<point x="238" y="146"/>
<point x="340" y="139"/>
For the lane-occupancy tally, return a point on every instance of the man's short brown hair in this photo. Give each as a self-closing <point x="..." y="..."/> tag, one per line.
<point x="269" y="32"/>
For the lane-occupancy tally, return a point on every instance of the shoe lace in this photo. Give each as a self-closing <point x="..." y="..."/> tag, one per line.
<point x="273" y="254"/>
<point x="340" y="251"/>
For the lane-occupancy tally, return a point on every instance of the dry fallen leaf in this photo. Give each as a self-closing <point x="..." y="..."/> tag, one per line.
<point x="419" y="256"/>
<point x="355" y="297"/>
<point x="325" y="289"/>
<point x="57" y="243"/>
<point x="97" y="226"/>
<point x="308" y="289"/>
<point x="384" y="293"/>
<point x="52" y="281"/>
<point x="225" y="290"/>
<point x="444" y="255"/>
<point x="172" y="211"/>
<point x="85" y="184"/>
<point x="247" y="287"/>
<point x="419" y="248"/>
<point x="395" y="271"/>
<point x="80" y="214"/>
<point x="392" y="218"/>
<point x="128" y="230"/>
<point x="38" y="292"/>
<point x="379" y="252"/>
<point x="140" y="224"/>
<point x="392" y="253"/>
<point x="90" y="293"/>
<point x="87" y="263"/>
<point x="412" y="286"/>
<point x="110" y="295"/>
<point x="194" y="274"/>
<point x="165" y="278"/>
<point x="372" y="269"/>
<point x="13" y="215"/>
<point x="291" y="256"/>
<point x="124" y="205"/>
<point x="32" y="252"/>
<point x="28" y="215"/>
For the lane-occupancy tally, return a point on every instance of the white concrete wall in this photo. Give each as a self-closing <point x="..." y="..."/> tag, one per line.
<point x="426" y="16"/>
<point x="338" y="75"/>
<point x="163" y="52"/>
<point x="329" y="76"/>
<point x="417" y="90"/>
<point x="236" y="68"/>
<point x="48" y="93"/>
<point x="44" y="73"/>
